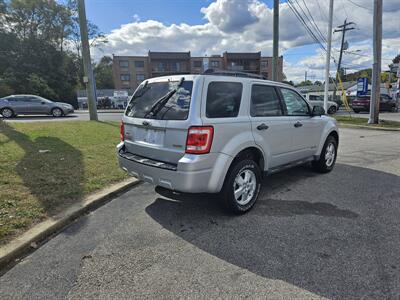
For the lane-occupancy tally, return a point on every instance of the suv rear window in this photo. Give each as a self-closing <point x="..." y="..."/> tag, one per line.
<point x="223" y="99"/>
<point x="264" y="101"/>
<point x="143" y="101"/>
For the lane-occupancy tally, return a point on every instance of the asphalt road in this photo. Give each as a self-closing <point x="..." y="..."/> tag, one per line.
<point x="309" y="236"/>
<point x="78" y="116"/>
<point x="116" y="116"/>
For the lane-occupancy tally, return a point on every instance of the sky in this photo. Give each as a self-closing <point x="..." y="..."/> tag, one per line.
<point x="207" y="27"/>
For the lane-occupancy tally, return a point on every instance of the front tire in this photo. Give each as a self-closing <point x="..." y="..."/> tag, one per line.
<point x="242" y="186"/>
<point x="328" y="156"/>
<point x="7" y="113"/>
<point x="57" y="112"/>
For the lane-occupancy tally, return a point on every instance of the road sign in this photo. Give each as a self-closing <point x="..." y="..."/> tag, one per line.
<point x="362" y="86"/>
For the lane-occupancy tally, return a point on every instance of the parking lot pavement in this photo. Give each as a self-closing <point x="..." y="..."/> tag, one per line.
<point x="309" y="236"/>
<point x="390" y="116"/>
<point x="77" y="116"/>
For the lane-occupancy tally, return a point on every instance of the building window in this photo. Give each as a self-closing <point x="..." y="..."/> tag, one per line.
<point x="175" y="67"/>
<point x="197" y="64"/>
<point x="124" y="64"/>
<point x="140" y="77"/>
<point x="264" y="64"/>
<point x="139" y="64"/>
<point x="214" y="64"/>
<point x="160" y="67"/>
<point x="125" y="77"/>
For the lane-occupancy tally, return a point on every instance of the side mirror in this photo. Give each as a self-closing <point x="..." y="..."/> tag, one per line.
<point x="318" y="111"/>
<point x="43" y="102"/>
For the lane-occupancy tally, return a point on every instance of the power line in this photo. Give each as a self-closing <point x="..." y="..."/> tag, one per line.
<point x="303" y="22"/>
<point x="312" y="21"/>
<point x="359" y="5"/>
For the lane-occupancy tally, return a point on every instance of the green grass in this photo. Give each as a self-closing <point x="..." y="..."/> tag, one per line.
<point x="364" y="122"/>
<point x="34" y="185"/>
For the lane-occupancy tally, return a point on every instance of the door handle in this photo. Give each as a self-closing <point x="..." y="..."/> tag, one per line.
<point x="298" y="124"/>
<point x="262" y="127"/>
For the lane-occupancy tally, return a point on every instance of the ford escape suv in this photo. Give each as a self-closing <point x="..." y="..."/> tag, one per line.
<point x="220" y="133"/>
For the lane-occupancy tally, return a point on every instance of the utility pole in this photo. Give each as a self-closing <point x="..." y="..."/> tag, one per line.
<point x="328" y="55"/>
<point x="87" y="63"/>
<point x="376" y="67"/>
<point x="275" y="46"/>
<point x="343" y="29"/>
<point x="305" y="76"/>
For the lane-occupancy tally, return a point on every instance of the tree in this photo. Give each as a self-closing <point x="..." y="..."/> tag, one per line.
<point x="304" y="83"/>
<point x="33" y="54"/>
<point x="396" y="60"/>
<point x="317" y="82"/>
<point x="103" y="73"/>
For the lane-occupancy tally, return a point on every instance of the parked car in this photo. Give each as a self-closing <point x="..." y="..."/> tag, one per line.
<point x="362" y="103"/>
<point x="217" y="133"/>
<point x="13" y="105"/>
<point x="315" y="100"/>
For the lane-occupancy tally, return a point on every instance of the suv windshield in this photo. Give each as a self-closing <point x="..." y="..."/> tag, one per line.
<point x="145" y="99"/>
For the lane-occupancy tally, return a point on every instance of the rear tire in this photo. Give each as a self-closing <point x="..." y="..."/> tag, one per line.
<point x="327" y="159"/>
<point x="332" y="110"/>
<point x="356" y="111"/>
<point x="7" y="113"/>
<point x="57" y="112"/>
<point x="242" y="186"/>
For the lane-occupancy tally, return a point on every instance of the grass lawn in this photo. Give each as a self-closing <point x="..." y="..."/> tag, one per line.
<point x="79" y="158"/>
<point x="363" y="121"/>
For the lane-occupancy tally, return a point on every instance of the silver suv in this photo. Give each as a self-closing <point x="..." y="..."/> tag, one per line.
<point x="218" y="133"/>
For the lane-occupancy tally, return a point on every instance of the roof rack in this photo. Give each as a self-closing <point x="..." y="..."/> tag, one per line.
<point x="232" y="73"/>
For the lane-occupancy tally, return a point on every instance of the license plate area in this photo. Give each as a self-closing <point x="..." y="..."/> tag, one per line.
<point x="148" y="136"/>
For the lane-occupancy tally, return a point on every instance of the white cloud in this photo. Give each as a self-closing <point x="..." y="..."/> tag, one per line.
<point x="246" y="25"/>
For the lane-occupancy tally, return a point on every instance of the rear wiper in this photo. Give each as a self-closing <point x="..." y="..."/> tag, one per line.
<point x="160" y="103"/>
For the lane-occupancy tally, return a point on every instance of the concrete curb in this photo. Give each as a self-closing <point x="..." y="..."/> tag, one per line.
<point x="30" y="239"/>
<point x="105" y="111"/>
<point x="344" y="125"/>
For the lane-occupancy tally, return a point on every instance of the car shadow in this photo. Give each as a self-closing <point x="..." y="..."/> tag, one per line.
<point x="51" y="169"/>
<point x="326" y="233"/>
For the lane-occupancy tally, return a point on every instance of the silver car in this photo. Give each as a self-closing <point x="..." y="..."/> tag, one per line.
<point x="218" y="133"/>
<point x="319" y="101"/>
<point x="14" y="105"/>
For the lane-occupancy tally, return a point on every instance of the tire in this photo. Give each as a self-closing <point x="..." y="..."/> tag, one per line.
<point x="7" y="113"/>
<point x="328" y="156"/>
<point x="332" y="110"/>
<point x="356" y="111"/>
<point x="250" y="182"/>
<point x="57" y="112"/>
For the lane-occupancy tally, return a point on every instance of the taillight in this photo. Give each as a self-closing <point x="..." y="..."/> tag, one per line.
<point x="199" y="139"/>
<point x="122" y="131"/>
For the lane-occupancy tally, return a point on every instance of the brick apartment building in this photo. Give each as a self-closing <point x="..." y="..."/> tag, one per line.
<point x="130" y="71"/>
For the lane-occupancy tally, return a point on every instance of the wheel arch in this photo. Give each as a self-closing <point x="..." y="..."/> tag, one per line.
<point x="250" y="152"/>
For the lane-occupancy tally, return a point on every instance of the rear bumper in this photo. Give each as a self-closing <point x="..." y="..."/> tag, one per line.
<point x="360" y="107"/>
<point x="192" y="174"/>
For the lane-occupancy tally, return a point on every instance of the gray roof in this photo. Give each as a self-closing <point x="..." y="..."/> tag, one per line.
<point x="242" y="55"/>
<point x="169" y="55"/>
<point x="321" y="88"/>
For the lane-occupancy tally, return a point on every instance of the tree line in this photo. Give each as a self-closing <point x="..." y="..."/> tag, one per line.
<point x="40" y="50"/>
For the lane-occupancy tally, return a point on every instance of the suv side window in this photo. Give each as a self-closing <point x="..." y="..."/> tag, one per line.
<point x="264" y="101"/>
<point x="295" y="104"/>
<point x="223" y="99"/>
